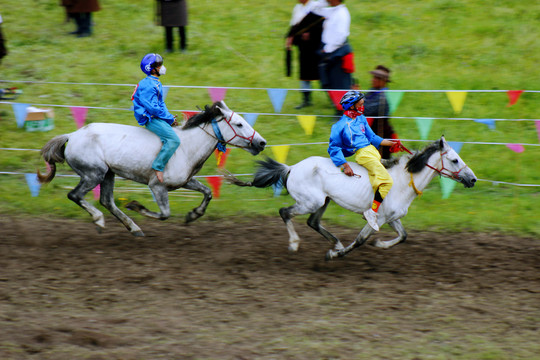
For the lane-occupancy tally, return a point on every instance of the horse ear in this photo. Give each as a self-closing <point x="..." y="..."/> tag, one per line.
<point x="442" y="142"/>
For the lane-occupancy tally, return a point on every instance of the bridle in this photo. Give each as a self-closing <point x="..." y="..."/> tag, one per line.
<point x="454" y="175"/>
<point x="220" y="138"/>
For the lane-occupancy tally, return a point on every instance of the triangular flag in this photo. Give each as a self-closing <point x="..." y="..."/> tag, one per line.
<point x="217" y="94"/>
<point x="456" y="145"/>
<point x="221" y="157"/>
<point x="513" y="96"/>
<point x="165" y="91"/>
<point x="33" y="184"/>
<point x="97" y="192"/>
<point x="277" y="187"/>
<point x="277" y="96"/>
<point x="79" y="114"/>
<point x="251" y="118"/>
<point x="489" y="122"/>
<point x="188" y="114"/>
<point x="307" y="122"/>
<point x="537" y="122"/>
<point x="424" y="126"/>
<point x="516" y="147"/>
<point x="20" y="113"/>
<point x="280" y="152"/>
<point x="394" y="98"/>
<point x="369" y="121"/>
<point x="215" y="182"/>
<point x="447" y="186"/>
<point x="457" y="99"/>
<point x="335" y="96"/>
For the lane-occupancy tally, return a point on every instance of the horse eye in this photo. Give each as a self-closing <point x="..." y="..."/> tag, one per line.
<point x="455" y="161"/>
<point x="240" y="125"/>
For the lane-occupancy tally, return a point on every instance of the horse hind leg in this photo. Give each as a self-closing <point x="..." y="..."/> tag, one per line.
<point x="314" y="222"/>
<point x="76" y="195"/>
<point x="402" y="236"/>
<point x="287" y="214"/>
<point x="107" y="200"/>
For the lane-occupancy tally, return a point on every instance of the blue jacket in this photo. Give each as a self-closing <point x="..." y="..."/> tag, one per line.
<point x="148" y="101"/>
<point x="348" y="136"/>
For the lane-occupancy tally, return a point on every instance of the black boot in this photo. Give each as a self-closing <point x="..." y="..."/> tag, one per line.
<point x="306" y="102"/>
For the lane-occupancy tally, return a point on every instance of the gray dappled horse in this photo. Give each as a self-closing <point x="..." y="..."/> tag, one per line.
<point x="98" y="151"/>
<point x="315" y="181"/>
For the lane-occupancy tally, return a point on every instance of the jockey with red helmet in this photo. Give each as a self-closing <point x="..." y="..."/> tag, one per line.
<point x="350" y="135"/>
<point x="150" y="111"/>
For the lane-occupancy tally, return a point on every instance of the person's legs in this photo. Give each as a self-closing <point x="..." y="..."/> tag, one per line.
<point x="183" y="39"/>
<point x="170" y="143"/>
<point x="168" y="38"/>
<point x="306" y="94"/>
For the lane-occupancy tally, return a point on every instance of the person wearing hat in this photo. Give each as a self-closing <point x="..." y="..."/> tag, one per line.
<point x="377" y="106"/>
<point x="150" y="111"/>
<point x="351" y="135"/>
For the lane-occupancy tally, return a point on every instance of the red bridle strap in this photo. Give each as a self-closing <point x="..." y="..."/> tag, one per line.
<point x="250" y="139"/>
<point x="449" y="174"/>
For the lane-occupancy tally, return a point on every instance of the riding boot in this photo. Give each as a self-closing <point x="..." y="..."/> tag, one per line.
<point x="306" y="100"/>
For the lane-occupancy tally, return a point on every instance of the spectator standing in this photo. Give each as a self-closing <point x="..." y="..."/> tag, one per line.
<point x="376" y="105"/>
<point x="173" y="14"/>
<point x="3" y="50"/>
<point x="335" y="66"/>
<point x="81" y="11"/>
<point x="305" y="32"/>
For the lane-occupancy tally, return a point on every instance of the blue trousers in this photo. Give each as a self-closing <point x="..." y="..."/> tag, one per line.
<point x="169" y="139"/>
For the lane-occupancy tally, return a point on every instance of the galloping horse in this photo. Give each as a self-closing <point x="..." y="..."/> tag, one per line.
<point x="98" y="151"/>
<point x="315" y="181"/>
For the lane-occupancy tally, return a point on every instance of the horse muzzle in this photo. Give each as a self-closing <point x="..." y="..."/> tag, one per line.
<point x="257" y="145"/>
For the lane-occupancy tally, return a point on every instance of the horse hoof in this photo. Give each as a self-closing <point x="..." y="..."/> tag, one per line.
<point x="134" y="206"/>
<point x="293" y="247"/>
<point x="192" y="216"/>
<point x="137" y="233"/>
<point x="99" y="229"/>
<point x="330" y="254"/>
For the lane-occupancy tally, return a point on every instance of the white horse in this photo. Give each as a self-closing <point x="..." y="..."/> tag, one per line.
<point x="97" y="152"/>
<point x="315" y="181"/>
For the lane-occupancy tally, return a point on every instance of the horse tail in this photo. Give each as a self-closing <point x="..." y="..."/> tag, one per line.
<point x="270" y="172"/>
<point x="53" y="152"/>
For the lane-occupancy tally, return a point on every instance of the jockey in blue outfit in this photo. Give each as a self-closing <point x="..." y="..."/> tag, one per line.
<point x="150" y="111"/>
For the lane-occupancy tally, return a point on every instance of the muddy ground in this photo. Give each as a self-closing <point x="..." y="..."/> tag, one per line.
<point x="229" y="289"/>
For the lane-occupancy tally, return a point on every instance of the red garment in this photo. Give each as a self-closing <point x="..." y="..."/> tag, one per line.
<point x="347" y="63"/>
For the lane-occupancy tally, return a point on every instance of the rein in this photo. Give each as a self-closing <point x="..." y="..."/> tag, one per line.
<point x="221" y="146"/>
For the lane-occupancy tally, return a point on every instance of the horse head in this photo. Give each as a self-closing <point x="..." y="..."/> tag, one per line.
<point x="238" y="132"/>
<point x="453" y="167"/>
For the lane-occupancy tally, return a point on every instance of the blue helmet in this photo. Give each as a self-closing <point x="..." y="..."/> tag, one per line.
<point x="149" y="62"/>
<point x="350" y="98"/>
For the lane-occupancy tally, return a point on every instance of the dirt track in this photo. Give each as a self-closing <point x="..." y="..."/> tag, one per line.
<point x="230" y="290"/>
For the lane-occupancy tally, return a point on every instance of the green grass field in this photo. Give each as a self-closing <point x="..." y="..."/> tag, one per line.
<point x="429" y="45"/>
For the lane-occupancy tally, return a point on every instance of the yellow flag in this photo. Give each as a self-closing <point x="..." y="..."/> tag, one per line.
<point x="457" y="99"/>
<point x="307" y="122"/>
<point x="280" y="152"/>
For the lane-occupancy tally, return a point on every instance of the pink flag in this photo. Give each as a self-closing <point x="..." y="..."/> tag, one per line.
<point x="215" y="182"/>
<point x="217" y="94"/>
<point x="97" y="192"/>
<point x="79" y="114"/>
<point x="537" y="122"/>
<point x="516" y="147"/>
<point x="513" y="96"/>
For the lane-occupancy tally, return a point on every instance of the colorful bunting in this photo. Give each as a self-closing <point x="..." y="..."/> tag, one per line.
<point x="424" y="126"/>
<point x="307" y="122"/>
<point x="277" y="96"/>
<point x="447" y="186"/>
<point x="394" y="98"/>
<point x="516" y="147"/>
<point x="456" y="145"/>
<point x="97" y="192"/>
<point x="215" y="182"/>
<point x="217" y="94"/>
<point x="33" y="184"/>
<point x="489" y="122"/>
<point x="457" y="99"/>
<point x="277" y="187"/>
<point x="221" y="157"/>
<point x="537" y="122"/>
<point x="79" y="114"/>
<point x="20" y="113"/>
<point x="165" y="91"/>
<point x="251" y="118"/>
<point x="513" y="96"/>
<point x="335" y="96"/>
<point x="280" y="152"/>
<point x="187" y="114"/>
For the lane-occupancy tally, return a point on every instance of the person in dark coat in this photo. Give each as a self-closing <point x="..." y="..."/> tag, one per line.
<point x="305" y="32"/>
<point x="173" y="14"/>
<point x="81" y="11"/>
<point x="377" y="105"/>
<point x="3" y="50"/>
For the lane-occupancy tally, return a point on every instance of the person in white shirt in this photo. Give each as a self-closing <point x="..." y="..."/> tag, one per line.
<point x="305" y="33"/>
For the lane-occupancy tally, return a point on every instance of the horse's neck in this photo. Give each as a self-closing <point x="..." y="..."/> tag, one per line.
<point x="198" y="143"/>
<point x="420" y="180"/>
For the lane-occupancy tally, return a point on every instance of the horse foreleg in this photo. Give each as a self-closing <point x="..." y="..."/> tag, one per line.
<point x="162" y="199"/>
<point x="107" y="200"/>
<point x="364" y="234"/>
<point x="314" y="222"/>
<point x="402" y="236"/>
<point x="199" y="211"/>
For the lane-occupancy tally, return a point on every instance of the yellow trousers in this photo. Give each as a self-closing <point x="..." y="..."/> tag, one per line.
<point x="379" y="177"/>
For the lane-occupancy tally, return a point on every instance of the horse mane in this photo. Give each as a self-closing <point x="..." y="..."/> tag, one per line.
<point x="207" y="115"/>
<point x="419" y="159"/>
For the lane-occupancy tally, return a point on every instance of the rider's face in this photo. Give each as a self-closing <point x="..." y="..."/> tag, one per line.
<point x="359" y="105"/>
